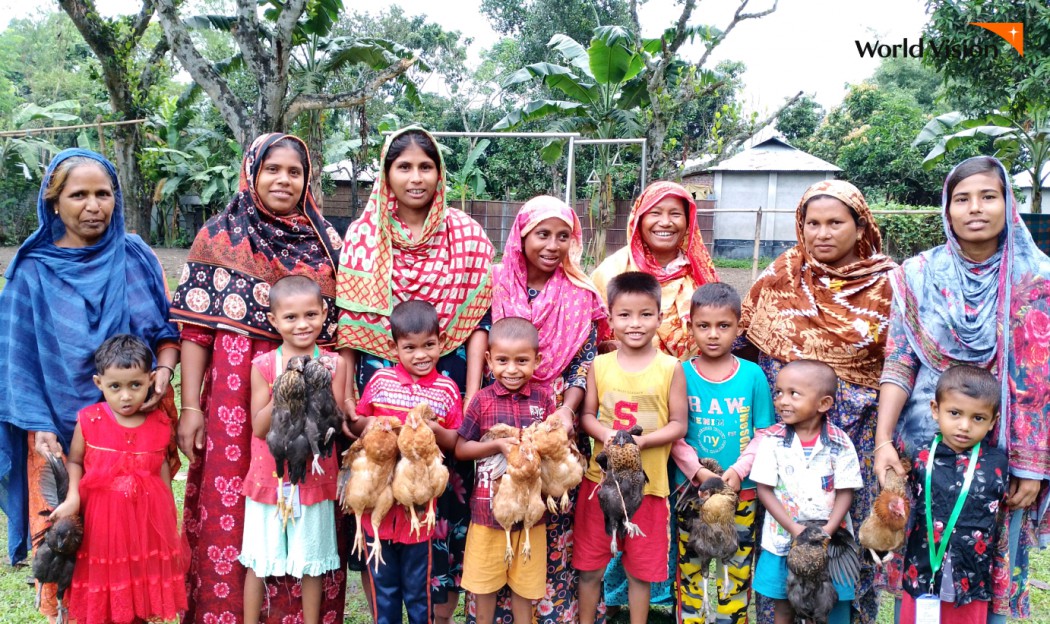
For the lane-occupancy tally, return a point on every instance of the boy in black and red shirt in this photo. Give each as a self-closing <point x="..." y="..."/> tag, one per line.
<point x="966" y="408"/>
<point x="512" y="357"/>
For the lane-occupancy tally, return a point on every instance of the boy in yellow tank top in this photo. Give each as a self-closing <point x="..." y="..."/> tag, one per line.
<point x="635" y="385"/>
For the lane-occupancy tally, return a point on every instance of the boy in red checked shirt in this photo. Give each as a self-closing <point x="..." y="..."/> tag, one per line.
<point x="512" y="357"/>
<point x="405" y="576"/>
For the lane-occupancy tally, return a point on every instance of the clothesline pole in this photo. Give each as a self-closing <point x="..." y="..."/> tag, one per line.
<point x="758" y="244"/>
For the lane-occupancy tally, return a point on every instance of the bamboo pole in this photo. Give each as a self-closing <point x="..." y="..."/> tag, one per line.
<point x="101" y="137"/>
<point x="28" y="131"/>
<point x="758" y="244"/>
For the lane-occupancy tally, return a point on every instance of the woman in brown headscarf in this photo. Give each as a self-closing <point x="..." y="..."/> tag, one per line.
<point x="828" y="299"/>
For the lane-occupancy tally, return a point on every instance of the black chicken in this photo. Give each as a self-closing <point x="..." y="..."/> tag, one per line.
<point x="287" y="437"/>
<point x="814" y="561"/>
<point x="323" y="418"/>
<point x="622" y="487"/>
<point x="56" y="546"/>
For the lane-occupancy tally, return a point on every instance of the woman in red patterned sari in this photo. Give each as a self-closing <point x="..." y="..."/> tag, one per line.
<point x="270" y="229"/>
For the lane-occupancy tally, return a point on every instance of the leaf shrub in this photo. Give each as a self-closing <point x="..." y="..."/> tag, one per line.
<point x="904" y="235"/>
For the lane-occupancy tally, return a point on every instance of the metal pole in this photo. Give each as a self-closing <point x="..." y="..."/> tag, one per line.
<point x="645" y="155"/>
<point x="758" y="244"/>
<point x="570" y="174"/>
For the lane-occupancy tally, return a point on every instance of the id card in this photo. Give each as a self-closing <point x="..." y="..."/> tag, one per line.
<point x="928" y="609"/>
<point x="292" y="500"/>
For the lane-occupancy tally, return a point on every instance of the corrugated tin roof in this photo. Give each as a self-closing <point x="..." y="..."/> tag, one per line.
<point x="774" y="154"/>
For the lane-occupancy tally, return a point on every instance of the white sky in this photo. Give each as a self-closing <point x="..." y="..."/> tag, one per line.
<point x="805" y="45"/>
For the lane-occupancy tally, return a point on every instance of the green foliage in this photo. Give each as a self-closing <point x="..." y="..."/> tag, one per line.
<point x="800" y="120"/>
<point x="869" y="136"/>
<point x="532" y="24"/>
<point x="1023" y="142"/>
<point x="985" y="82"/>
<point x="909" y="75"/>
<point x="905" y="235"/>
<point x="469" y="179"/>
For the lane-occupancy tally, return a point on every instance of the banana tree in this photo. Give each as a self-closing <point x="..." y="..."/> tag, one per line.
<point x="28" y="154"/>
<point x="602" y="97"/>
<point x="470" y="179"/>
<point x="1015" y="140"/>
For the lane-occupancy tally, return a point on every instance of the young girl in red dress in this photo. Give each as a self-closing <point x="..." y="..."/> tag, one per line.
<point x="131" y="564"/>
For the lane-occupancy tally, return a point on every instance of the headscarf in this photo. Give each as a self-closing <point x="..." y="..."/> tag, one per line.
<point x="58" y="306"/>
<point x="801" y="308"/>
<point x="692" y="269"/>
<point x="243" y="250"/>
<point x="955" y="310"/>
<point x="565" y="311"/>
<point x="382" y="265"/>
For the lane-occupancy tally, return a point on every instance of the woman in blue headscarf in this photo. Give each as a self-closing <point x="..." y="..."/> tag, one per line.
<point x="76" y="281"/>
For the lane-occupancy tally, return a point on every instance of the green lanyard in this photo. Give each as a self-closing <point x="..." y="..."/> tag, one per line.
<point x="937" y="552"/>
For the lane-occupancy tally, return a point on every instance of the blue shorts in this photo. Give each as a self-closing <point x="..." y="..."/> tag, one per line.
<point x="771" y="578"/>
<point x="305" y="547"/>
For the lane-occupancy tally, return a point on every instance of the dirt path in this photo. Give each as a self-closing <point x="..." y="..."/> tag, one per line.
<point x="172" y="260"/>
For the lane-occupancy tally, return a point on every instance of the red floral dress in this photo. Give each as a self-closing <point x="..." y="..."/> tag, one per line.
<point x="132" y="562"/>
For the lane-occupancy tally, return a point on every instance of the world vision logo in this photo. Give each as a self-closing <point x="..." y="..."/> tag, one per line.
<point x="1011" y="32"/>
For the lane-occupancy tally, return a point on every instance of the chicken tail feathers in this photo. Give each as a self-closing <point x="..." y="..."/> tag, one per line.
<point x="54" y="482"/>
<point x="843" y="558"/>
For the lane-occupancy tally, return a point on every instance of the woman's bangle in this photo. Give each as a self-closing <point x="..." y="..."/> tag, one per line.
<point x="192" y="409"/>
<point x="170" y="369"/>
<point x="878" y="446"/>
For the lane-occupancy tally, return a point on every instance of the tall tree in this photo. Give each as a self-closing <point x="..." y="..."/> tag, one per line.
<point x="800" y="120"/>
<point x="128" y="78"/>
<point x="533" y="23"/>
<point x="266" y="44"/>
<point x="1005" y="96"/>
<point x="1000" y="80"/>
<point x="671" y="84"/>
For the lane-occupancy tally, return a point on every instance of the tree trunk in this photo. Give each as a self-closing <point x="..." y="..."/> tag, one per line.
<point x="315" y="142"/>
<point x="138" y="201"/>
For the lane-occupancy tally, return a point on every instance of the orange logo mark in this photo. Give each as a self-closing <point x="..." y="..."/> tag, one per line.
<point x="1011" y="32"/>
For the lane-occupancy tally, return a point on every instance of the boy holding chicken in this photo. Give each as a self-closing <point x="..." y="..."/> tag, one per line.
<point x="728" y="400"/>
<point x="806" y="470"/>
<point x="636" y="385"/>
<point x="404" y="574"/>
<point x="512" y="356"/>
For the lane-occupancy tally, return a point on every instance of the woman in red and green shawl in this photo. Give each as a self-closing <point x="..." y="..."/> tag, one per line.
<point x="270" y="229"/>
<point x="408" y="244"/>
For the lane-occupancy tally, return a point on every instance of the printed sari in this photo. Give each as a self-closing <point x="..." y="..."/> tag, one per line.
<point x="221" y="302"/>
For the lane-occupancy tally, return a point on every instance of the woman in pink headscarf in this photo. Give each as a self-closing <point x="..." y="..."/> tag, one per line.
<point x="540" y="279"/>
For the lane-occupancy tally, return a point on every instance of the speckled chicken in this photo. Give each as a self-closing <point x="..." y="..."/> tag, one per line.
<point x="882" y="532"/>
<point x="57" y="545"/>
<point x="515" y="486"/>
<point x="623" y="483"/>
<point x="712" y="523"/>
<point x="287" y="439"/>
<point x="371" y="461"/>
<point x="813" y="562"/>
<point x="323" y="418"/>
<point x="420" y="476"/>
<point x="561" y="465"/>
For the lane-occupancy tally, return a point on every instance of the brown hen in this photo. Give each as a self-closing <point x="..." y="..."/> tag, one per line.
<point x="420" y="477"/>
<point x="712" y="522"/>
<point x="372" y="459"/>
<point x="561" y="465"/>
<point x="882" y="532"/>
<point x="516" y="494"/>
